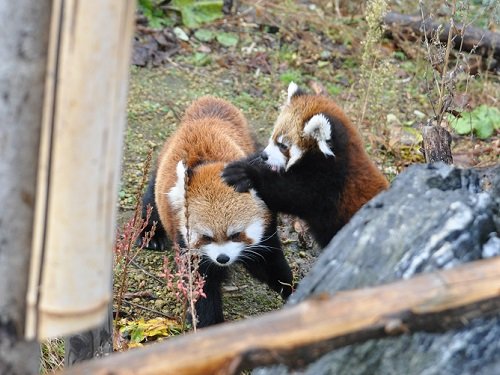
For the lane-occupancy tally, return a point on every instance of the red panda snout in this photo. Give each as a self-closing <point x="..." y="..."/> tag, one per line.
<point x="280" y="154"/>
<point x="235" y="245"/>
<point x="223" y="254"/>
<point x="273" y="157"/>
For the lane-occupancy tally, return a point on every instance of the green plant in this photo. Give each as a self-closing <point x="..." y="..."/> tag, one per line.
<point x="377" y="73"/>
<point x="126" y="238"/>
<point x="192" y="13"/>
<point x="154" y="14"/>
<point x="204" y="35"/>
<point x="483" y="121"/>
<point x="141" y="331"/>
<point x="291" y="76"/>
<point x="195" y="13"/>
<point x="51" y="355"/>
<point x="227" y="39"/>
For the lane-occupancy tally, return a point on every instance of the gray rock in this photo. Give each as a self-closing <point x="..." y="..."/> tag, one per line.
<point x="432" y="217"/>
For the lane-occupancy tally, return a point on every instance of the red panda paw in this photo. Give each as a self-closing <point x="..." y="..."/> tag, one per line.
<point x="237" y="174"/>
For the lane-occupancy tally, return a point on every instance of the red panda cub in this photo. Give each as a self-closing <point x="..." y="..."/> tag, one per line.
<point x="194" y="206"/>
<point x="314" y="167"/>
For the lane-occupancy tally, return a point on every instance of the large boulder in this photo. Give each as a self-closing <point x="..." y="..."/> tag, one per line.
<point x="432" y="217"/>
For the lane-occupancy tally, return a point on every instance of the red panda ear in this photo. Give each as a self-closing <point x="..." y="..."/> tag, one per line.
<point x="292" y="90"/>
<point x="177" y="194"/>
<point x="318" y="128"/>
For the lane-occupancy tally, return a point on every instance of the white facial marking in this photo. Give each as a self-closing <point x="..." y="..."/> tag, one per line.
<point x="176" y="194"/>
<point x="233" y="230"/>
<point x="255" y="231"/>
<point x="292" y="89"/>
<point x="230" y="249"/>
<point x="318" y="127"/>
<point x="206" y="232"/>
<point x="295" y="154"/>
<point x="195" y="233"/>
<point x="275" y="158"/>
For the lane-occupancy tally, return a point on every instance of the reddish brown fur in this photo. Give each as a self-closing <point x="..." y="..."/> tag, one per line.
<point x="212" y="130"/>
<point x="364" y="180"/>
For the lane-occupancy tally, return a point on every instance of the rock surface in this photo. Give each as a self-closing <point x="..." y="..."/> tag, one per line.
<point x="432" y="217"/>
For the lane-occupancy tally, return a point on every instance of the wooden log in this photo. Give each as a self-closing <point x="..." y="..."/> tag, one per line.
<point x="23" y="56"/>
<point x="436" y="144"/>
<point x="79" y="166"/>
<point x="468" y="38"/>
<point x="301" y="333"/>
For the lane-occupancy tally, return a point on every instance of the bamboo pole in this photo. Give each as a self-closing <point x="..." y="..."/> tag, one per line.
<point x="23" y="46"/>
<point x="297" y="335"/>
<point x="79" y="165"/>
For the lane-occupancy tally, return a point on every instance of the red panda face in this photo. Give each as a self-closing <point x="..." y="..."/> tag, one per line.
<point x="281" y="153"/>
<point x="299" y="127"/>
<point x="214" y="219"/>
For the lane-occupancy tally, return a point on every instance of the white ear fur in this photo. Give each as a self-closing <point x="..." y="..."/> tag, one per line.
<point x="176" y="195"/>
<point x="318" y="127"/>
<point x="292" y="89"/>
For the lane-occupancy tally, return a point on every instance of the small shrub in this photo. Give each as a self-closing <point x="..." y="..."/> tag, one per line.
<point x="483" y="121"/>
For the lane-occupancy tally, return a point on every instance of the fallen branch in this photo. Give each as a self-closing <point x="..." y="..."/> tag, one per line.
<point x="475" y="40"/>
<point x="297" y="335"/>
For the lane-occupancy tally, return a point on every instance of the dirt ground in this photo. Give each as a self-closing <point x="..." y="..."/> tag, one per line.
<point x="278" y="42"/>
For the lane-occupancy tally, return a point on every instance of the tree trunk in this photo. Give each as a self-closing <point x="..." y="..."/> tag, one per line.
<point x="432" y="217"/>
<point x="437" y="144"/>
<point x="23" y="54"/>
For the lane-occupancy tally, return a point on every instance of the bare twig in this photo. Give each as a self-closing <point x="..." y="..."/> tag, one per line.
<point x="126" y="238"/>
<point x="441" y="104"/>
<point x="156" y="312"/>
<point x="145" y="271"/>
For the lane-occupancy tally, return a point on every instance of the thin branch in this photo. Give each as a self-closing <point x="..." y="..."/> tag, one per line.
<point x="149" y="309"/>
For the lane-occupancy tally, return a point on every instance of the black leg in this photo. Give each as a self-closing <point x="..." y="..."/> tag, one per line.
<point x="159" y="241"/>
<point x="209" y="309"/>
<point x="270" y="266"/>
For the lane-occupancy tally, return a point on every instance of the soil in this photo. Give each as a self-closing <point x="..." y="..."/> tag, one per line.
<point x="274" y="47"/>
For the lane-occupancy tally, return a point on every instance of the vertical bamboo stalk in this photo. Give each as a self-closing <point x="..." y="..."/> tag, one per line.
<point x="82" y="133"/>
<point x="23" y="56"/>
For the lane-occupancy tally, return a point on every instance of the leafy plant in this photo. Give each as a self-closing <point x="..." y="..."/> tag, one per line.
<point x="204" y="35"/>
<point x="195" y="13"/>
<point x="139" y="331"/>
<point x="186" y="281"/>
<point x="126" y="238"/>
<point x="155" y="15"/>
<point x="227" y="39"/>
<point x="483" y="121"/>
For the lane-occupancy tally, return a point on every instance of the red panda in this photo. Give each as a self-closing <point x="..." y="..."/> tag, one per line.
<point x="196" y="208"/>
<point x="314" y="167"/>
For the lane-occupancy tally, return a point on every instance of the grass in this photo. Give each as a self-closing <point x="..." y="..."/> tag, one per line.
<point x="52" y="355"/>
